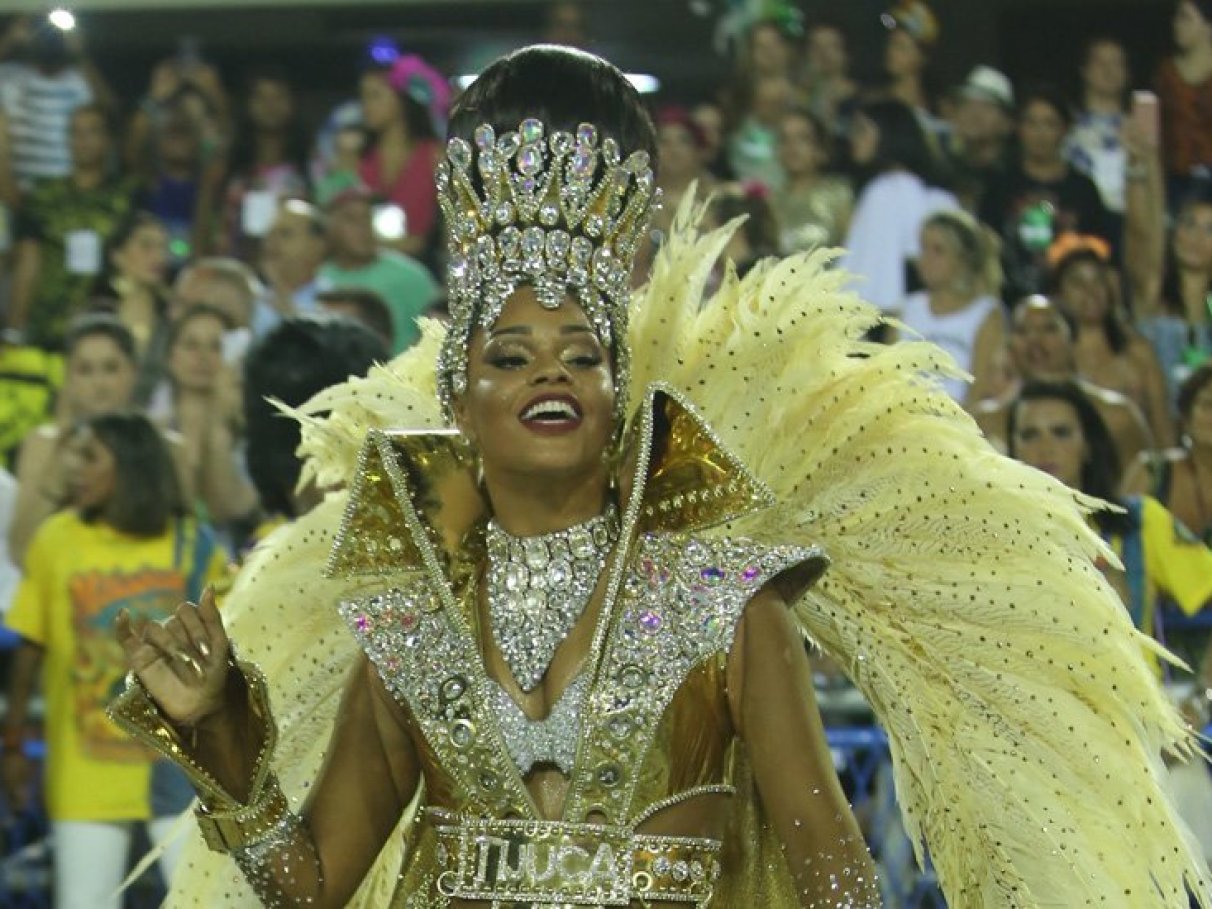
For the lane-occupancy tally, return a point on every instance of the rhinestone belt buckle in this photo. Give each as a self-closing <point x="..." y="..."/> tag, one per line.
<point x="544" y="862"/>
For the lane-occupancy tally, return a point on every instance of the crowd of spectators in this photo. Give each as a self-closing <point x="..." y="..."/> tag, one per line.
<point x="186" y="253"/>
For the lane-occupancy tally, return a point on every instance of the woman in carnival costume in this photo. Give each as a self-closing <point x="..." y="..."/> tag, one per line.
<point x="576" y="671"/>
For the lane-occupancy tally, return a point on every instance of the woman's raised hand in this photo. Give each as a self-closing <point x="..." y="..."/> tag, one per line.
<point x="182" y="661"/>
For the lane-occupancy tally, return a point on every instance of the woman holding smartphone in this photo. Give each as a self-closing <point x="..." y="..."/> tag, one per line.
<point x="1169" y="272"/>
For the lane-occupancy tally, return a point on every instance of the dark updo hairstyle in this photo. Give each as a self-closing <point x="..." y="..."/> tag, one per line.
<point x="1100" y="472"/>
<point x="562" y="87"/>
<point x="147" y="494"/>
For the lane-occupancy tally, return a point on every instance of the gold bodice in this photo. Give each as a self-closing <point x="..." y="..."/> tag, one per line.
<point x="654" y="726"/>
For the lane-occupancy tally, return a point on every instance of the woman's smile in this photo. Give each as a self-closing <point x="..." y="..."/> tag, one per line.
<point x="552" y="414"/>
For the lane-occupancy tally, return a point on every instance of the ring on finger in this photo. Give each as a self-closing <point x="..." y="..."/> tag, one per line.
<point x="188" y="660"/>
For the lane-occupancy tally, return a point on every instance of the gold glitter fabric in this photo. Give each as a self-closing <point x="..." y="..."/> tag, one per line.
<point x="963" y="598"/>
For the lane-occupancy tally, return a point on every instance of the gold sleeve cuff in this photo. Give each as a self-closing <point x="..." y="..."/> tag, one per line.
<point x="138" y="714"/>
<point x="246" y="825"/>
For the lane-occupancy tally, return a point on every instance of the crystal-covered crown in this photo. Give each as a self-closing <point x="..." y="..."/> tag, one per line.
<point x="558" y="211"/>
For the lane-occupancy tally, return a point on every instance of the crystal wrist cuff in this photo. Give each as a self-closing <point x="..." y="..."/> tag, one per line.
<point x="246" y="825"/>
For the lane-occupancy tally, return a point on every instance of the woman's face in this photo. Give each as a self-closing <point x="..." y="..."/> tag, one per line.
<point x="1106" y="69"/>
<point x="91" y="471"/>
<point x="771" y="52"/>
<point x="1048" y="436"/>
<point x="1193" y="238"/>
<point x="143" y="258"/>
<point x="100" y="377"/>
<point x="1040" y="345"/>
<point x="271" y="105"/>
<point x="940" y="265"/>
<point x="1190" y="27"/>
<point x="1198" y="423"/>
<point x="1086" y="292"/>
<point x="680" y="157"/>
<point x="799" y="148"/>
<point x="195" y="360"/>
<point x="864" y="140"/>
<point x="179" y="141"/>
<point x="902" y="55"/>
<point x="540" y="395"/>
<point x="1041" y="130"/>
<point x="827" y="52"/>
<point x="380" y="105"/>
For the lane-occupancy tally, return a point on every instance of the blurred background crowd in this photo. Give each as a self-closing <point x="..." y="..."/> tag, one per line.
<point x="180" y="240"/>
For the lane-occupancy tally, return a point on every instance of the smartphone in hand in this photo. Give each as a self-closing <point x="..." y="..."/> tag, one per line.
<point x="1146" y="115"/>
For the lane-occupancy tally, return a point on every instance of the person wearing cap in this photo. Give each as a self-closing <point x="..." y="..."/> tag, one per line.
<point x="1184" y="87"/>
<point x="977" y="146"/>
<point x="356" y="260"/>
<point x="1093" y="145"/>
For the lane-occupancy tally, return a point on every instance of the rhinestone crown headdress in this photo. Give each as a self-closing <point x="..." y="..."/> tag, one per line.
<point x="560" y="211"/>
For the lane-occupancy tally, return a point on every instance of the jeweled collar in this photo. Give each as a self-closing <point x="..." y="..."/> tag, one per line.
<point x="415" y="497"/>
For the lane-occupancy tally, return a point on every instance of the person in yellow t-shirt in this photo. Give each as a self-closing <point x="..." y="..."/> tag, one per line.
<point x="125" y="544"/>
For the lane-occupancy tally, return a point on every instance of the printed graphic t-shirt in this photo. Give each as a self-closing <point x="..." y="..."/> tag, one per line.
<point x="78" y="577"/>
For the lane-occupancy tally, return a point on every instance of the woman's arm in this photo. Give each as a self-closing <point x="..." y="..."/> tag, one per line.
<point x="1157" y="395"/>
<point x="774" y="710"/>
<point x="27" y="263"/>
<point x="319" y="857"/>
<point x="40" y="490"/>
<point x="1144" y="222"/>
<point x="228" y="495"/>
<point x="1138" y="480"/>
<point x="990" y="339"/>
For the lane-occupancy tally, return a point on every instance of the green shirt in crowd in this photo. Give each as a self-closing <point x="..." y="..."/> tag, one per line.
<point x="71" y="226"/>
<point x="405" y="285"/>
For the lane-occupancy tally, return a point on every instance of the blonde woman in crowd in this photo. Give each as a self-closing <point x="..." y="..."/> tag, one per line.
<point x="959" y="309"/>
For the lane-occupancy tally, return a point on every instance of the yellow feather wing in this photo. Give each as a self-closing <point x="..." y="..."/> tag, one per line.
<point x="1025" y="723"/>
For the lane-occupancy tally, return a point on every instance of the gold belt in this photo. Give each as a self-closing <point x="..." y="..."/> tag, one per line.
<point x="558" y="863"/>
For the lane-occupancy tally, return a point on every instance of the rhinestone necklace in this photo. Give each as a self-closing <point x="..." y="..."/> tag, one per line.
<point x="539" y="586"/>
